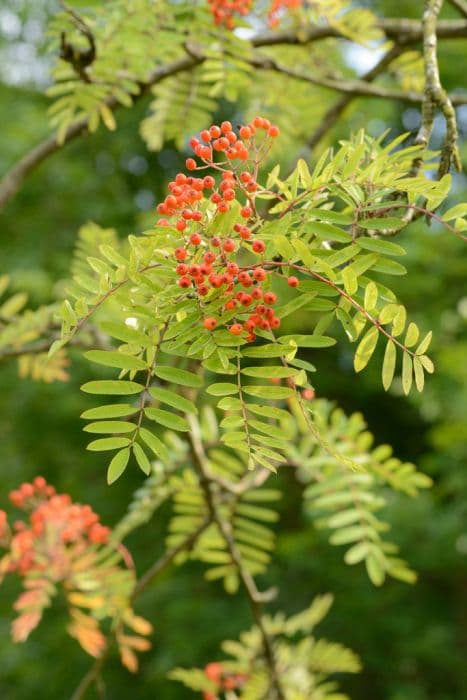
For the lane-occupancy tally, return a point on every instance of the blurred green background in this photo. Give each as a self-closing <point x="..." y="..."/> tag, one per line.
<point x="413" y="640"/>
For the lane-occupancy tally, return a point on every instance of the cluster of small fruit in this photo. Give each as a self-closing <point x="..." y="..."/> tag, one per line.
<point x="224" y="681"/>
<point x="277" y="6"/>
<point x="54" y="521"/>
<point x="224" y="11"/>
<point x="208" y="262"/>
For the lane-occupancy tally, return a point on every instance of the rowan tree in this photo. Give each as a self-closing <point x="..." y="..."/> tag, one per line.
<point x="199" y="382"/>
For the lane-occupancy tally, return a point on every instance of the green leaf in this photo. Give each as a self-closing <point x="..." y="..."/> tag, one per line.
<point x="110" y="426"/>
<point x="406" y="372"/>
<point x="118" y="465"/>
<point x="375" y="570"/>
<point x="222" y="389"/>
<point x="122" y="332"/>
<point x="376" y="245"/>
<point x="389" y="364"/>
<point x="115" y="359"/>
<point x="178" y="376"/>
<point x="427" y="363"/>
<point x="112" y="386"/>
<point x="167" y="419"/>
<point x="309" y="341"/>
<point x="357" y="553"/>
<point x="269" y="392"/>
<point x="114" y="410"/>
<point x="104" y="444"/>
<point x="350" y="280"/>
<point x="365" y="349"/>
<point x="142" y="459"/>
<point x="172" y="399"/>
<point x="329" y="232"/>
<point x="412" y="334"/>
<point x="423" y="347"/>
<point x="154" y="444"/>
<point x="271" y="350"/>
<point x="384" y="223"/>
<point x="269" y="372"/>
<point x="457" y="212"/>
<point x="371" y="296"/>
<point x="418" y="373"/>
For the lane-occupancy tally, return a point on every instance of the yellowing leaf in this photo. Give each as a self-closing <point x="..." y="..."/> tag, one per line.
<point x="365" y="349"/>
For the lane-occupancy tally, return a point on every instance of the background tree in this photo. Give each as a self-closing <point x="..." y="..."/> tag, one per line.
<point x="199" y="92"/>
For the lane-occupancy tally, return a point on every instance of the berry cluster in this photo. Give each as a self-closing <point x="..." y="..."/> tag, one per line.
<point x="224" y="681"/>
<point x="207" y="262"/>
<point x="277" y="6"/>
<point x="223" y="11"/>
<point x="54" y="522"/>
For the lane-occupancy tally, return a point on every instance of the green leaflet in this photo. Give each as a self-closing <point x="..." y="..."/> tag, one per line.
<point x="271" y="350"/>
<point x="371" y="296"/>
<point x="118" y="465"/>
<point x="406" y="372"/>
<point x="142" y="459"/>
<point x="309" y="341"/>
<point x="365" y="349"/>
<point x="110" y="426"/>
<point x="329" y="232"/>
<point x="172" y="399"/>
<point x="269" y="392"/>
<point x="115" y="359"/>
<point x="122" y="332"/>
<point x="389" y="365"/>
<point x="104" y="444"/>
<point x="412" y="335"/>
<point x="178" y="376"/>
<point x="350" y="280"/>
<point x="377" y="245"/>
<point x="115" y="410"/>
<point x="154" y="444"/>
<point x="270" y="372"/>
<point x="222" y="389"/>
<point x="112" y="386"/>
<point x="167" y="419"/>
<point x="384" y="223"/>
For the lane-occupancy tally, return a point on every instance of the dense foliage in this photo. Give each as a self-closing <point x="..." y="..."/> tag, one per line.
<point x="205" y="337"/>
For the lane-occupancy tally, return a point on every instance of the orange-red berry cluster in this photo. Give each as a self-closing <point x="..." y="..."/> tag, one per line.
<point x="277" y="6"/>
<point x="224" y="11"/>
<point x="224" y="681"/>
<point x="54" y="522"/>
<point x="207" y="262"/>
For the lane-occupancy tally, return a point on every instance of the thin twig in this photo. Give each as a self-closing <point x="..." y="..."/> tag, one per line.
<point x="255" y="598"/>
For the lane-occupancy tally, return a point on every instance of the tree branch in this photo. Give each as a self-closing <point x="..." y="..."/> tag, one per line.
<point x="403" y="31"/>
<point x="435" y="95"/>
<point x="255" y="598"/>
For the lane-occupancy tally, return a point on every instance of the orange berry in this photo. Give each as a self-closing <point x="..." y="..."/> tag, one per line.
<point x="270" y="298"/>
<point x="190" y="164"/>
<point x="236" y="329"/>
<point x="210" y="323"/>
<point x="259" y="246"/>
<point x="293" y="281"/>
<point x="273" y="131"/>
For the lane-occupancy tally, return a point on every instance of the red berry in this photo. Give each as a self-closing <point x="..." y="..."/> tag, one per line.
<point x="210" y="323"/>
<point x="181" y="269"/>
<point x="184" y="282"/>
<point x="245" y="233"/>
<point x="245" y="176"/>
<point x="275" y="322"/>
<point x="236" y="329"/>
<point x="209" y="182"/>
<point x="245" y="132"/>
<point x="223" y="207"/>
<point x="259" y="246"/>
<point x="195" y="239"/>
<point x="226" y="126"/>
<point x="206" y="136"/>
<point x="232" y="268"/>
<point x="231" y="304"/>
<point x="246" y="212"/>
<point x="257" y="293"/>
<point x="293" y="281"/>
<point x="190" y="164"/>
<point x="259" y="274"/>
<point x="203" y="290"/>
<point x="180" y="225"/>
<point x="181" y="253"/>
<point x="273" y="131"/>
<point x="216" y="241"/>
<point x="229" y="245"/>
<point x="209" y="257"/>
<point x="270" y="298"/>
<point x="215" y="131"/>
<point x="196" y="216"/>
